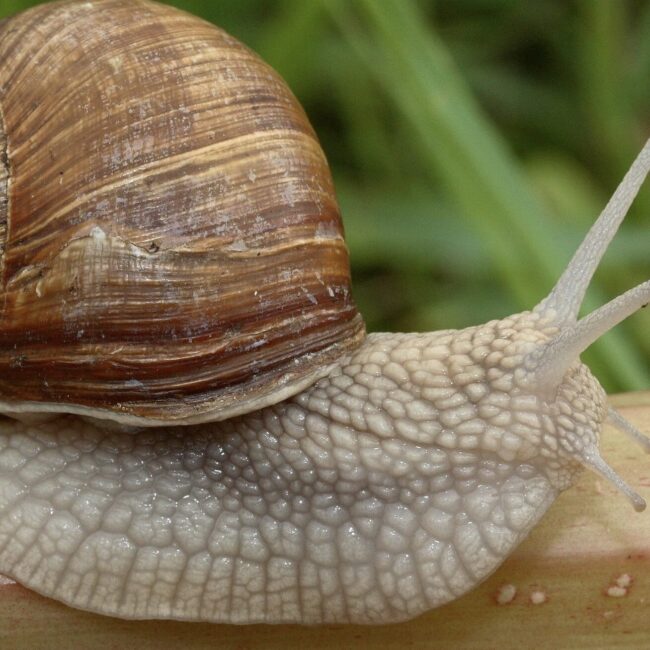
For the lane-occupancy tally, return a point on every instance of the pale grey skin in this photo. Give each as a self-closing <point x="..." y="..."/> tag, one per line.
<point x="394" y="484"/>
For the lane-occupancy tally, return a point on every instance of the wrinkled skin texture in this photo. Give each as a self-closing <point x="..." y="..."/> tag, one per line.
<point x="393" y="485"/>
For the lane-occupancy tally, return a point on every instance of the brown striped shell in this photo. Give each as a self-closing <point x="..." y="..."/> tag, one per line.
<point x="171" y="248"/>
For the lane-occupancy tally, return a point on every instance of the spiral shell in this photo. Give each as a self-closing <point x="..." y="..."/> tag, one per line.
<point x="171" y="249"/>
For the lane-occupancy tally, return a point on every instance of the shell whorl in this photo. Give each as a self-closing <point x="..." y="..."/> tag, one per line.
<point x="173" y="235"/>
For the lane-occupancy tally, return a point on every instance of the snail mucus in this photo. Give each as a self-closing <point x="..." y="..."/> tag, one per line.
<point x="195" y="425"/>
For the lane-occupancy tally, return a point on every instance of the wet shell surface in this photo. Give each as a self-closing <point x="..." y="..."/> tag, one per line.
<point x="170" y="244"/>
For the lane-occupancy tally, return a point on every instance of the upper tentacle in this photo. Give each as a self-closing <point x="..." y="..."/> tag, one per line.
<point x="567" y="295"/>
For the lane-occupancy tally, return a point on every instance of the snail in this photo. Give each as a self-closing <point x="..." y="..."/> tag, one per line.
<point x="195" y="424"/>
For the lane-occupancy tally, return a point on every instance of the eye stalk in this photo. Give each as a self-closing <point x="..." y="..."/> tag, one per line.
<point x="564" y="301"/>
<point x="566" y="297"/>
<point x="548" y="364"/>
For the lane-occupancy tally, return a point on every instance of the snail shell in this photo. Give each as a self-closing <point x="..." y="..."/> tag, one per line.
<point x="168" y="225"/>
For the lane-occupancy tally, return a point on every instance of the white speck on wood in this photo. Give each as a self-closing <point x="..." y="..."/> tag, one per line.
<point x="616" y="592"/>
<point x="506" y="594"/>
<point x="538" y="597"/>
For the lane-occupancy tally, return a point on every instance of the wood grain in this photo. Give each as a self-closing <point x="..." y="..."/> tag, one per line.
<point x="588" y="562"/>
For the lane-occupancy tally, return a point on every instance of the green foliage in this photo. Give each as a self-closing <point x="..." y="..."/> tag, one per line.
<point x="472" y="143"/>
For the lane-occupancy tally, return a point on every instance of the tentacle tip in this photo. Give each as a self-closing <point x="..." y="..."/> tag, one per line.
<point x="638" y="503"/>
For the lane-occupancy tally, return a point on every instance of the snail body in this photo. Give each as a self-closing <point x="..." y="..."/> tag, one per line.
<point x="285" y="467"/>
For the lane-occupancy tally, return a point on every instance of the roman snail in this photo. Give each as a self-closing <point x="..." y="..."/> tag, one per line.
<point x="195" y="424"/>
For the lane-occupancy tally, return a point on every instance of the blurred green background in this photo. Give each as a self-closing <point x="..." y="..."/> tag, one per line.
<point x="472" y="143"/>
